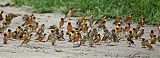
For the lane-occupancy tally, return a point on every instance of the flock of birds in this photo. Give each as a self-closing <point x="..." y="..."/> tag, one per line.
<point x="80" y="34"/>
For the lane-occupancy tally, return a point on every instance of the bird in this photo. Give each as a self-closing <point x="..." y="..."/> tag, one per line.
<point x="77" y="29"/>
<point x="78" y="23"/>
<point x="141" y="22"/>
<point x="118" y="29"/>
<point x="128" y="18"/>
<point x="77" y="37"/>
<point x="84" y="38"/>
<point x="84" y="27"/>
<point x="11" y="15"/>
<point x="71" y="36"/>
<point x="61" y="23"/>
<point x="134" y="32"/>
<point x="117" y="21"/>
<point x="4" y="25"/>
<point x="35" y="27"/>
<point x="31" y="18"/>
<point x="137" y="28"/>
<point x="90" y="36"/>
<point x="40" y="30"/>
<point x="5" y="38"/>
<point x="140" y="33"/>
<point x="127" y="28"/>
<point x="129" y="39"/>
<point x="114" y="36"/>
<point x="14" y="35"/>
<point x="26" y="19"/>
<point x="151" y="34"/>
<point x="143" y="43"/>
<point x="7" y="19"/>
<point x="69" y="27"/>
<point x="97" y="39"/>
<point x="149" y="45"/>
<point x="70" y="13"/>
<point x="61" y="34"/>
<point x="29" y="28"/>
<point x="6" y="4"/>
<point x="41" y="37"/>
<point x="25" y="36"/>
<point x="52" y="37"/>
<point x="101" y="24"/>
<point x="106" y="36"/>
<point x="9" y="33"/>
<point x="19" y="31"/>
<point x="153" y="39"/>
<point x="53" y="27"/>
<point x="158" y="38"/>
<point x="27" y="40"/>
<point x="1" y="17"/>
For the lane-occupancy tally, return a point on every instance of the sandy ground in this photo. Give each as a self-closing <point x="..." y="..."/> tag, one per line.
<point x="46" y="50"/>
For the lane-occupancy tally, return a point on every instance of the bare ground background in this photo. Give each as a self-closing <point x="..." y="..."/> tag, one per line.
<point x="46" y="50"/>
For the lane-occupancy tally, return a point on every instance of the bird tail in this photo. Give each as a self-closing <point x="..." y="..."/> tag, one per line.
<point x="134" y="44"/>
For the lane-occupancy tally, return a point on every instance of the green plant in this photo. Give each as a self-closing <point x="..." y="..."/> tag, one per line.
<point x="148" y="8"/>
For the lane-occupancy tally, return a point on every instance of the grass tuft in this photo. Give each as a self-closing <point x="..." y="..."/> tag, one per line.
<point x="147" y="8"/>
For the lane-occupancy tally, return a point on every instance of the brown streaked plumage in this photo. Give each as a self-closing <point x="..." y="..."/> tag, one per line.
<point x="140" y="33"/>
<point x="141" y="22"/>
<point x="1" y="17"/>
<point x="70" y="13"/>
<point x="35" y="26"/>
<point x="97" y="39"/>
<point x="41" y="37"/>
<point x="114" y="36"/>
<point x="61" y="23"/>
<point x="106" y="36"/>
<point x="143" y="43"/>
<point x="11" y="15"/>
<point x="149" y="45"/>
<point x="129" y="39"/>
<point x="5" y="38"/>
<point x="128" y="18"/>
<point x="40" y="30"/>
<point x="27" y="40"/>
<point x="151" y="34"/>
<point x="14" y="35"/>
<point x="153" y="39"/>
<point x="8" y="19"/>
<point x="117" y="21"/>
<point x="71" y="36"/>
<point x="4" y="26"/>
<point x="9" y="33"/>
<point x="118" y="29"/>
<point x="26" y="19"/>
<point x="84" y="38"/>
<point x="127" y="28"/>
<point x="77" y="37"/>
<point x="69" y="27"/>
<point x="25" y="36"/>
<point x="134" y="32"/>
